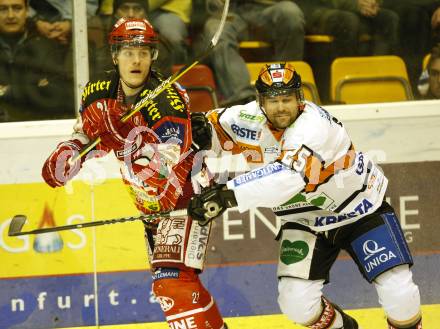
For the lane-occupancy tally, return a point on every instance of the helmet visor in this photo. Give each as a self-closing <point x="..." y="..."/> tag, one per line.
<point x="280" y="91"/>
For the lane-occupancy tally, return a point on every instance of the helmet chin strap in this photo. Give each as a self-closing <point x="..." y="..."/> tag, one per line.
<point x="264" y="111"/>
<point x="131" y="86"/>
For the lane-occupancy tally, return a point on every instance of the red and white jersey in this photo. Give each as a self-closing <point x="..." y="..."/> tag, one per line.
<point x="157" y="165"/>
<point x="316" y="178"/>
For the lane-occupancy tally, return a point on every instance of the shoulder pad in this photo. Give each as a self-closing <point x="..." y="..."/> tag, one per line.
<point x="157" y="75"/>
<point x="103" y="87"/>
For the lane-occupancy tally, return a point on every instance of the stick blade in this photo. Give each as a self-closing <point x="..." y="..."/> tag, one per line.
<point x="16" y="225"/>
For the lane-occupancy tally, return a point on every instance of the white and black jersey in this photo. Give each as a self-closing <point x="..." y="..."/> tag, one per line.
<point x="315" y="177"/>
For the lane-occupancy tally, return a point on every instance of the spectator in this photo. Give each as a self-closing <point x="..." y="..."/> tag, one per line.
<point x="171" y="19"/>
<point x="53" y="18"/>
<point x="279" y="22"/>
<point x="429" y="83"/>
<point x="323" y="17"/>
<point x="31" y="84"/>
<point x="371" y="19"/>
<point x="419" y="26"/>
<point x="435" y="21"/>
<point x="53" y="21"/>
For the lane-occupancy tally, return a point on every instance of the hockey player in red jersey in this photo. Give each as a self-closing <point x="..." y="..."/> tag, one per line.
<point x="328" y="195"/>
<point x="154" y="150"/>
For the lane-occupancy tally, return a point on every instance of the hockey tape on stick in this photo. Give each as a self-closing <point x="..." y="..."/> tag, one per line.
<point x="17" y="223"/>
<point x="159" y="89"/>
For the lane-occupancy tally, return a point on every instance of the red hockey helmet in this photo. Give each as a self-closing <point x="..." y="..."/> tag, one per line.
<point x="133" y="32"/>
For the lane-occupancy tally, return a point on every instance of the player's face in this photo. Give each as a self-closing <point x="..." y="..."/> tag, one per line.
<point x="134" y="64"/>
<point x="281" y="110"/>
<point x="12" y="16"/>
<point x="434" y="78"/>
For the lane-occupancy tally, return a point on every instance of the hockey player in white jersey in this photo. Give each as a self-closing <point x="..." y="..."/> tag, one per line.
<point x="328" y="194"/>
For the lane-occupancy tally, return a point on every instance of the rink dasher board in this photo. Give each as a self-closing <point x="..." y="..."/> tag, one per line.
<point x="368" y="318"/>
<point x="408" y="148"/>
<point x="390" y="132"/>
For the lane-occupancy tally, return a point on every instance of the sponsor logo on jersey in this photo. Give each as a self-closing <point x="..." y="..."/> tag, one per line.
<point x="360" y="165"/>
<point x="301" y="200"/>
<point x="174" y="99"/>
<point x="293" y="252"/>
<point x="186" y="323"/>
<point x="371" y="181"/>
<point x="272" y="150"/>
<point x="166" y="303"/>
<point x="360" y="209"/>
<point x="379" y="249"/>
<point x="375" y="258"/>
<point x="380" y="185"/>
<point x="129" y="150"/>
<point x="245" y="132"/>
<point x="167" y="273"/>
<point x="197" y="243"/>
<point x="171" y="132"/>
<point x="324" y="114"/>
<point x="371" y="248"/>
<point x="250" y="117"/>
<point x="259" y="173"/>
<point x="169" y="240"/>
<point x="153" y="111"/>
<point x="95" y="86"/>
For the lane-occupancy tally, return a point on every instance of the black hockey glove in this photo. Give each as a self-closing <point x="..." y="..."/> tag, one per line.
<point x="211" y="203"/>
<point x="201" y="131"/>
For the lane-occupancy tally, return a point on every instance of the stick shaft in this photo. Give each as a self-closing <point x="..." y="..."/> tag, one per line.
<point x="152" y="219"/>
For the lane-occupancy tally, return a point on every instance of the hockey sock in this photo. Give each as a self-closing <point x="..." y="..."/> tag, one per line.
<point x="413" y="325"/>
<point x="332" y="317"/>
<point x="184" y="300"/>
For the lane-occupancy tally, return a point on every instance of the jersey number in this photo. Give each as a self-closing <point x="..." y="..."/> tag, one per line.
<point x="300" y="163"/>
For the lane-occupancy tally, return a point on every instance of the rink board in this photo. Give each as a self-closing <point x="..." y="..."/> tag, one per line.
<point x="367" y="318"/>
<point x="49" y="281"/>
<point x="124" y="297"/>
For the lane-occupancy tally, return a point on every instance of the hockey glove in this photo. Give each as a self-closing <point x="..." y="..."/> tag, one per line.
<point x="57" y="170"/>
<point x="211" y="203"/>
<point x="201" y="131"/>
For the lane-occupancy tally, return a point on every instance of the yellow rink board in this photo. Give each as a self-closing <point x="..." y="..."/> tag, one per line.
<point x="369" y="318"/>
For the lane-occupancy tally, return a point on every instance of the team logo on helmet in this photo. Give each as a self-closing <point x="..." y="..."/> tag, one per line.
<point x="136" y="25"/>
<point x="288" y="73"/>
<point x="266" y="77"/>
<point x="132" y="30"/>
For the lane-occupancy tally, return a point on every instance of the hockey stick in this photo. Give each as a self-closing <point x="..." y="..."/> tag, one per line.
<point x="159" y="89"/>
<point x="16" y="225"/>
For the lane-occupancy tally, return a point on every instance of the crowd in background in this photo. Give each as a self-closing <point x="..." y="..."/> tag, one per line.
<point x="36" y="62"/>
